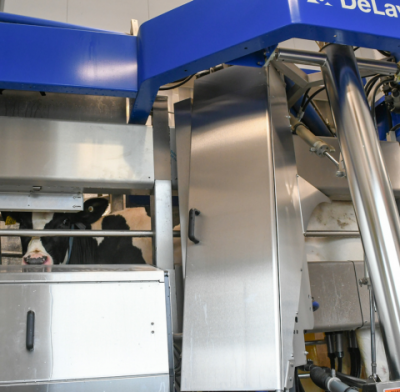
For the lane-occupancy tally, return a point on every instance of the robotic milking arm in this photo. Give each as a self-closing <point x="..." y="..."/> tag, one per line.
<point x="200" y="35"/>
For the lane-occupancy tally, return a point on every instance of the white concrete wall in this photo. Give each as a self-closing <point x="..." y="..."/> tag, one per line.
<point x="102" y="14"/>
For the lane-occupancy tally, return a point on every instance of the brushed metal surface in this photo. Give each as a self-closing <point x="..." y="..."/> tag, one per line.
<point x="235" y="337"/>
<point x="83" y="331"/>
<point x="79" y="273"/>
<point x="86" y="155"/>
<point x="371" y="191"/>
<point x="75" y="233"/>
<point x="231" y="333"/>
<point x="142" y="384"/>
<point x="163" y="246"/>
<point x="310" y="198"/>
<point x="65" y="107"/>
<point x="41" y="201"/>
<point x="183" y="128"/>
<point x="334" y="287"/>
<point x="292" y="262"/>
<point x="320" y="172"/>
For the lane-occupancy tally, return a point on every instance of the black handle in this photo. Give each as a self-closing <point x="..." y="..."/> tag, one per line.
<point x="30" y="330"/>
<point x="192" y="218"/>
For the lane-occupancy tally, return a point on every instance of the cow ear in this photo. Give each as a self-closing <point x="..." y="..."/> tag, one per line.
<point x="93" y="210"/>
<point x="10" y="217"/>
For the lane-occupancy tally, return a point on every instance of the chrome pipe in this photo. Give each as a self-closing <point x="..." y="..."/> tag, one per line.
<point x="373" y="335"/>
<point x="370" y="189"/>
<point x="319" y="59"/>
<point x="317" y="234"/>
<point x="79" y="233"/>
<point x="74" y="233"/>
<point x="300" y="57"/>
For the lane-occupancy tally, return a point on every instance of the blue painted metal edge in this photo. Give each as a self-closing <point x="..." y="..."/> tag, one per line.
<point x="203" y="33"/>
<point x="61" y="60"/>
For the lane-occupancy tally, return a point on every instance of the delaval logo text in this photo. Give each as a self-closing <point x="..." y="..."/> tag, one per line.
<point x="367" y="6"/>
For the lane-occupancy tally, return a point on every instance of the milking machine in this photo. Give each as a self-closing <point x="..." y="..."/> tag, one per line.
<point x="287" y="177"/>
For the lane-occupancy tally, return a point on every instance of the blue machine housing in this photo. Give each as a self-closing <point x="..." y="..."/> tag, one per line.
<point x="41" y="55"/>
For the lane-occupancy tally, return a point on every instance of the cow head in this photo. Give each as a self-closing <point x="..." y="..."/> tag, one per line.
<point x="54" y="250"/>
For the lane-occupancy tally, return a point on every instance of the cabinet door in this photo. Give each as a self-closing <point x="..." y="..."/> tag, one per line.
<point x="231" y="320"/>
<point x="85" y="330"/>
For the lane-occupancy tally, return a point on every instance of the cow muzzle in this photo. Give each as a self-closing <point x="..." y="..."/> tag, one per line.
<point x="36" y="254"/>
<point x="36" y="259"/>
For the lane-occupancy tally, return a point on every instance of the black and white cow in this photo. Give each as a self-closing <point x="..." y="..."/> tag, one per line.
<point x="75" y="250"/>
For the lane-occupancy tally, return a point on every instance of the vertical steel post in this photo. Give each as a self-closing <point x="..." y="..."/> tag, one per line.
<point x="371" y="191"/>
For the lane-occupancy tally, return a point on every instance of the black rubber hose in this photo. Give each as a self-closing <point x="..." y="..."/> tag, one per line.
<point x="352" y="381"/>
<point x="320" y="376"/>
<point x="358" y="362"/>
<point x="353" y="363"/>
<point x="340" y="364"/>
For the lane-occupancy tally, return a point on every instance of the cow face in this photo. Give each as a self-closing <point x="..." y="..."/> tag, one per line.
<point x="54" y="250"/>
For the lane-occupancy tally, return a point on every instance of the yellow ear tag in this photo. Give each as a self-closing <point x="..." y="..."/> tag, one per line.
<point x="10" y="221"/>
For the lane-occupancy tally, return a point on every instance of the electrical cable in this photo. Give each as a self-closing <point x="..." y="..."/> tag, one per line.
<point x="373" y="111"/>
<point x="304" y="107"/>
<point x="358" y="362"/>
<point x="385" y="53"/>
<point x="340" y="364"/>
<point x="395" y="128"/>
<point x="370" y="84"/>
<point x="304" y="98"/>
<point x="353" y="381"/>
<point x="184" y="81"/>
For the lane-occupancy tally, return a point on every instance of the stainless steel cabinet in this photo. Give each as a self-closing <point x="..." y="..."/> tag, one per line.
<point x="243" y="278"/>
<point x="89" y="324"/>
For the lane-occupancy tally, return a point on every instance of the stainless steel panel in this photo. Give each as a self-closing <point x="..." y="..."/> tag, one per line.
<point x="334" y="286"/>
<point x="162" y="148"/>
<point x="291" y="254"/>
<point x="86" y="155"/>
<point x="231" y="338"/>
<point x="183" y="126"/>
<point x="67" y="107"/>
<point x="41" y="201"/>
<point x="142" y="384"/>
<point x="83" y="331"/>
<point x="163" y="246"/>
<point x="320" y="172"/>
<point x="79" y="273"/>
<point x="310" y="198"/>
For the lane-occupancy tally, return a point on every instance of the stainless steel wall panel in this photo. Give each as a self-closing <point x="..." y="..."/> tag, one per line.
<point x="183" y="127"/>
<point x="83" y="331"/>
<point x="291" y="254"/>
<point x="112" y="326"/>
<point x="65" y="154"/>
<point x="142" y="384"/>
<point x="230" y="331"/>
<point x="243" y="282"/>
<point x="320" y="172"/>
<point x="64" y="107"/>
<point x="334" y="286"/>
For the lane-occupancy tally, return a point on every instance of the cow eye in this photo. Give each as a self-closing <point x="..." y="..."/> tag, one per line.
<point x="66" y="222"/>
